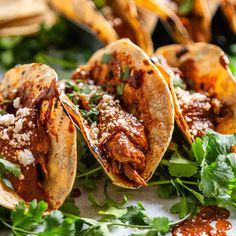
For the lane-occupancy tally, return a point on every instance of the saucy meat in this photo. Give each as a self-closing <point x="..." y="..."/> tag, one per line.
<point x="199" y="110"/>
<point x="24" y="141"/>
<point x="118" y="134"/>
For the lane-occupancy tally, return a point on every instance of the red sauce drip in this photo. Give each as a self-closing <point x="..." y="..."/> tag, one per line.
<point x="223" y="225"/>
<point x="211" y="220"/>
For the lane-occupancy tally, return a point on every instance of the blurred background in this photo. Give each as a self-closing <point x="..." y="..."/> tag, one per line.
<point x="64" y="34"/>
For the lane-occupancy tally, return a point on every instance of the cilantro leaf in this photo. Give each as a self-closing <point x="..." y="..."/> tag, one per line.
<point x="135" y="215"/>
<point x="181" y="167"/>
<point x="166" y="191"/>
<point x="160" y="224"/>
<point x="218" y="144"/>
<point x="91" y="115"/>
<point x="124" y="75"/>
<point x="70" y="207"/>
<point x="196" y="194"/>
<point x="113" y="212"/>
<point x="215" y="177"/>
<point x="7" y="166"/>
<point x="199" y="149"/>
<point x="185" y="7"/>
<point x="181" y="208"/>
<point x="56" y="225"/>
<point x="28" y="218"/>
<point x="106" y="58"/>
<point x="218" y="166"/>
<point x="119" y="89"/>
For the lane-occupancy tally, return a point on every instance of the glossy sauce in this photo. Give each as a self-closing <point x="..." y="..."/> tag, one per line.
<point x="211" y="221"/>
<point x="29" y="186"/>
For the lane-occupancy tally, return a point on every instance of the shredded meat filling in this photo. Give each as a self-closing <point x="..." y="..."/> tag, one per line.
<point x="119" y="135"/>
<point x="199" y="110"/>
<point x="24" y="140"/>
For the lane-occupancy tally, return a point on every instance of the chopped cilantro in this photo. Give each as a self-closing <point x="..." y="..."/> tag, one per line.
<point x="178" y="82"/>
<point x="232" y="65"/>
<point x="181" y="167"/>
<point x="106" y="58"/>
<point x="119" y="89"/>
<point x="185" y="7"/>
<point x="125" y="73"/>
<point x="91" y="115"/>
<point x="8" y="167"/>
<point x="99" y="3"/>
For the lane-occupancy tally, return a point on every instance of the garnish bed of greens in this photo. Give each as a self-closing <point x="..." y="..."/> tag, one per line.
<point x="201" y="174"/>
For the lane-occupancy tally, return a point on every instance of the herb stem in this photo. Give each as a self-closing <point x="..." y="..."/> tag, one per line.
<point x="14" y="229"/>
<point x="159" y="182"/>
<point x="181" y="220"/>
<point x="89" y="172"/>
<point x="169" y="181"/>
<point x="165" y="162"/>
<point x="131" y="226"/>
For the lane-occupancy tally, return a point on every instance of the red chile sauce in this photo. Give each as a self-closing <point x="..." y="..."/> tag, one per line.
<point x="30" y="186"/>
<point x="211" y="221"/>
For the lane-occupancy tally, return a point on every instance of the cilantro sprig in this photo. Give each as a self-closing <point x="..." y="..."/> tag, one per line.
<point x="8" y="167"/>
<point x="32" y="220"/>
<point x="206" y="175"/>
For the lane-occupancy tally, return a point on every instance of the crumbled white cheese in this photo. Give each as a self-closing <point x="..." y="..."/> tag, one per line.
<point x="107" y="98"/>
<point x="23" y="112"/>
<point x="19" y="125"/>
<point x="93" y="125"/>
<point x="7" y="119"/>
<point x="4" y="135"/>
<point x="104" y="136"/>
<point x="16" y="102"/>
<point x="26" y="157"/>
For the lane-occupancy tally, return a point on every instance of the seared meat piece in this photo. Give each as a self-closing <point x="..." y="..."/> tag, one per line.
<point x="123" y="139"/>
<point x="123" y="150"/>
<point x="132" y="174"/>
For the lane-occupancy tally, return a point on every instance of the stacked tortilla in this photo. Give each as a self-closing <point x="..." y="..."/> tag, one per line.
<point x="22" y="17"/>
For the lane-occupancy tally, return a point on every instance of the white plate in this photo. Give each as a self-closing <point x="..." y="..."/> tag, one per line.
<point x="154" y="205"/>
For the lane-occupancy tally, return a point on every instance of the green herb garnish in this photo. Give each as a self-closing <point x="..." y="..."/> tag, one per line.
<point x="125" y="73"/>
<point x="185" y="7"/>
<point x="8" y="167"/>
<point x="106" y="58"/>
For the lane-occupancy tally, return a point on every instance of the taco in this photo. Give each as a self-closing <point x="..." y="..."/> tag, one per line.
<point x="229" y="10"/>
<point x="108" y="21"/>
<point x="124" y="110"/>
<point x="186" y="21"/>
<point x="36" y="138"/>
<point x="169" y="18"/>
<point x="22" y="17"/>
<point x="202" y="86"/>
